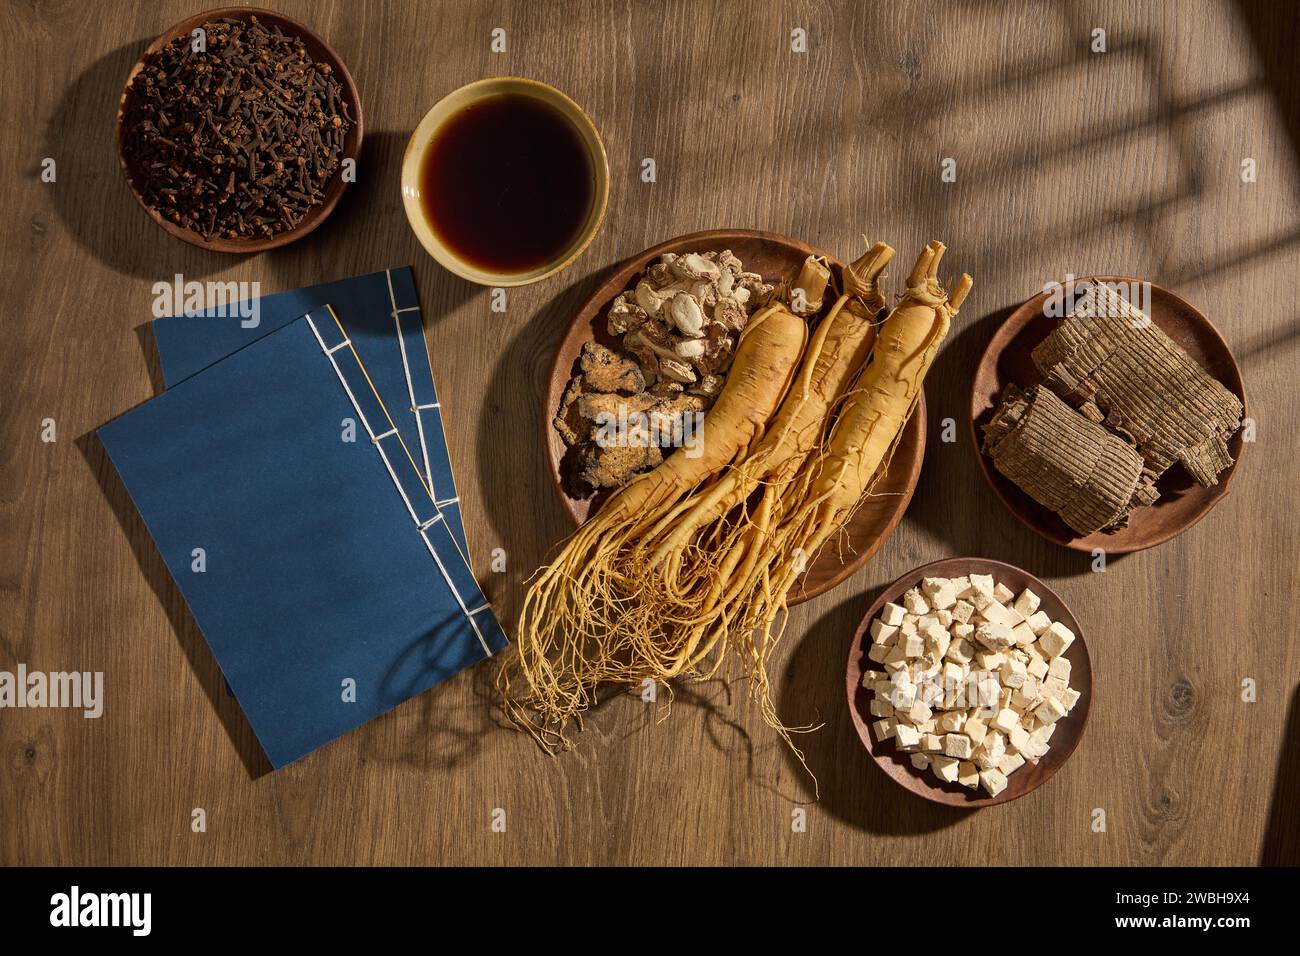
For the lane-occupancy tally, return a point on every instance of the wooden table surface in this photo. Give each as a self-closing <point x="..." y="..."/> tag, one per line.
<point x="1128" y="161"/>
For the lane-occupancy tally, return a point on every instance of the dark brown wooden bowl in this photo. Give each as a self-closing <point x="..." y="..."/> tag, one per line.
<point x="773" y="256"/>
<point x="321" y="52"/>
<point x="896" y="764"/>
<point x="1182" y="501"/>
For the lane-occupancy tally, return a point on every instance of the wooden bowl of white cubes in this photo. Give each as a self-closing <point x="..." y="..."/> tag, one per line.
<point x="969" y="682"/>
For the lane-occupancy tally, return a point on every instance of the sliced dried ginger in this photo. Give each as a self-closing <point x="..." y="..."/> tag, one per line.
<point x="1066" y="462"/>
<point x="1107" y="358"/>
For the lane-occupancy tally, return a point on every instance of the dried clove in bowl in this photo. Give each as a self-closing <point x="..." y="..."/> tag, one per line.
<point x="236" y="137"/>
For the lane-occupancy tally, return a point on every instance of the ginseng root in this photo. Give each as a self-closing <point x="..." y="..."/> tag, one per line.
<point x="843" y="473"/>
<point x="838" y="350"/>
<point x="568" y="640"/>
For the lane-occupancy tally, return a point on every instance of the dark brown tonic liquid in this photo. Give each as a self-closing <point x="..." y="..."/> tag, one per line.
<point x="507" y="183"/>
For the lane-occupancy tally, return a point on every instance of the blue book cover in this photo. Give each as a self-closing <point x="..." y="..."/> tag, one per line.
<point x="383" y="317"/>
<point x="320" y="570"/>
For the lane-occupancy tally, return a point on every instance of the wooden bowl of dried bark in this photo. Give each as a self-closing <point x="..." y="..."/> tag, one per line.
<point x="775" y="257"/>
<point x="1182" y="502"/>
<point x="322" y="53"/>
<point x="896" y="764"/>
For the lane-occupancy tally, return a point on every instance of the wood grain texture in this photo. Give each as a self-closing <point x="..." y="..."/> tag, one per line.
<point x="1126" y="162"/>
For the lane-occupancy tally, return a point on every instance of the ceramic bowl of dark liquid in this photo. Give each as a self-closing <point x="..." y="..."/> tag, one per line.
<point x="505" y="181"/>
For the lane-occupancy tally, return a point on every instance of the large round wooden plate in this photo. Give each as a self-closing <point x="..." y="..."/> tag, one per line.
<point x="773" y="256"/>
<point x="1182" y="502"/>
<point x="898" y="765"/>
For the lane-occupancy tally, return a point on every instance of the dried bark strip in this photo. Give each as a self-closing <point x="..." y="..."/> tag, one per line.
<point x="1108" y="354"/>
<point x="1066" y="462"/>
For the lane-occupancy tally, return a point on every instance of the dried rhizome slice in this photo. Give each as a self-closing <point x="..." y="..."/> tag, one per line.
<point x="1061" y="459"/>
<point x="606" y="423"/>
<point x="1110" y="354"/>
<point x="676" y="332"/>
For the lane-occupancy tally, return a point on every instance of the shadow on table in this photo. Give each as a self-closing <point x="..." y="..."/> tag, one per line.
<point x="514" y="468"/>
<point x="153" y="362"/>
<point x="450" y="728"/>
<point x="953" y="499"/>
<point x="90" y="193"/>
<point x="368" y="232"/>
<point x="851" y="786"/>
<point x="1282" y="837"/>
<point x="1274" y="30"/>
<point x="169" y="596"/>
<point x="525" y="513"/>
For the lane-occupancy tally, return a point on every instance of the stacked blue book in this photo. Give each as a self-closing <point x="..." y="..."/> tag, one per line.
<point x="296" y="479"/>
